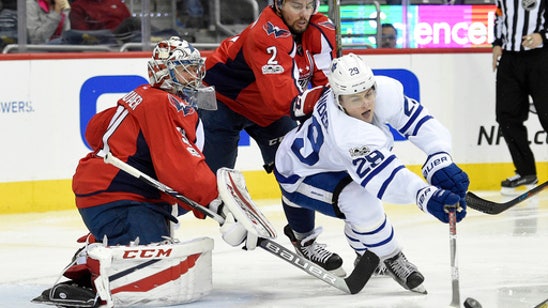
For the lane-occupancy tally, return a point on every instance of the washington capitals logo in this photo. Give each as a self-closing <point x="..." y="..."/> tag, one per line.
<point x="180" y="105"/>
<point x="269" y="28"/>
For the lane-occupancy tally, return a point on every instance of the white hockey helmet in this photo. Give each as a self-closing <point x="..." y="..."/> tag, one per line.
<point x="278" y="5"/>
<point x="350" y="75"/>
<point x="166" y="57"/>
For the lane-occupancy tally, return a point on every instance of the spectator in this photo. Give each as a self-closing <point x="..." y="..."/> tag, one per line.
<point x="98" y="14"/>
<point x="339" y="162"/>
<point x="389" y="36"/>
<point x="192" y="13"/>
<point x="8" y="22"/>
<point x="257" y="74"/>
<point x="103" y="21"/>
<point x="520" y="53"/>
<point x="46" y="20"/>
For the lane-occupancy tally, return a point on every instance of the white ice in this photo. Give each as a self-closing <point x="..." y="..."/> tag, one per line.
<point x="502" y="260"/>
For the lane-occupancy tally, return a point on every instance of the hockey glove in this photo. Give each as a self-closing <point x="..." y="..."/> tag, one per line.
<point x="432" y="200"/>
<point x="439" y="170"/>
<point x="233" y="232"/>
<point x="302" y="105"/>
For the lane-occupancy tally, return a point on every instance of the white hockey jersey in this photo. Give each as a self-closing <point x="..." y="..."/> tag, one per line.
<point x="332" y="141"/>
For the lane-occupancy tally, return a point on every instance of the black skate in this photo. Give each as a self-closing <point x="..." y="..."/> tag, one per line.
<point x="405" y="273"/>
<point x="510" y="186"/>
<point x="310" y="250"/>
<point x="68" y="294"/>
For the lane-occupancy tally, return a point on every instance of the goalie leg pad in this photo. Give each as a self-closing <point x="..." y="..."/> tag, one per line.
<point x="152" y="275"/>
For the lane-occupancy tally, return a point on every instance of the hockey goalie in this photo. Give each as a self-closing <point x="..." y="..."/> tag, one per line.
<point x="163" y="273"/>
<point x="131" y="257"/>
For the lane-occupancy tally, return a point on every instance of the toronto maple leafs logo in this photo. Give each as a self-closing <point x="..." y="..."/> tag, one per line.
<point x="269" y="28"/>
<point x="333" y="67"/>
<point x="181" y="105"/>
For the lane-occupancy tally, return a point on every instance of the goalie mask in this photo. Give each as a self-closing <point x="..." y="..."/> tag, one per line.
<point x="177" y="67"/>
<point x="350" y="75"/>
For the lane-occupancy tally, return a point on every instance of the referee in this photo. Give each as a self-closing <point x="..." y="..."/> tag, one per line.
<point x="520" y="57"/>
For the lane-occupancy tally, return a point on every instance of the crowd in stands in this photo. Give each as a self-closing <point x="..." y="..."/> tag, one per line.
<point x="115" y="22"/>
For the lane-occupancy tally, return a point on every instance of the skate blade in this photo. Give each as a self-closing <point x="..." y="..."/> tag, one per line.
<point x="515" y="191"/>
<point x="340" y="272"/>
<point x="419" y="289"/>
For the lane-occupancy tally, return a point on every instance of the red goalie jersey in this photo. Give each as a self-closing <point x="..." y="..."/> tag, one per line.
<point x="136" y="131"/>
<point x="273" y="67"/>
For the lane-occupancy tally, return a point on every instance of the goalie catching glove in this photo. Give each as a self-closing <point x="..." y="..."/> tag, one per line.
<point x="233" y="232"/>
<point x="439" y="170"/>
<point x="433" y="200"/>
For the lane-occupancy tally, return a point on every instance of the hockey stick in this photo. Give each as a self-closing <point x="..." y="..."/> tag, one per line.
<point x="455" y="299"/>
<point x="493" y="208"/>
<point x="544" y="304"/>
<point x="351" y="284"/>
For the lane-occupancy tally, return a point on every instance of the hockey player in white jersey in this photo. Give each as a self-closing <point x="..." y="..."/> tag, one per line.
<point x="339" y="162"/>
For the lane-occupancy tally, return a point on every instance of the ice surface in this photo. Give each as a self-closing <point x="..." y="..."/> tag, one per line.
<point x="502" y="260"/>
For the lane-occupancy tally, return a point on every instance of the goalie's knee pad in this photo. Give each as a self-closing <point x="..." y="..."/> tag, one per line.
<point x="152" y="275"/>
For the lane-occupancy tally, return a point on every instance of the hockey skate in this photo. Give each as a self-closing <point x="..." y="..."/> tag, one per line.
<point x="68" y="294"/>
<point x="380" y="270"/>
<point x="405" y="273"/>
<point x="512" y="185"/>
<point x="310" y="250"/>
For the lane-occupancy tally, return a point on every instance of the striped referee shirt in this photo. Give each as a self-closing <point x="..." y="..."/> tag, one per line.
<point x="517" y="18"/>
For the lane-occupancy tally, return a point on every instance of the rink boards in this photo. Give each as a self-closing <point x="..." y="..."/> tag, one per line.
<point x="47" y="100"/>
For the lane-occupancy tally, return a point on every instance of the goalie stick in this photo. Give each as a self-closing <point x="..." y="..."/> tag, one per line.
<point x="352" y="284"/>
<point x="493" y="208"/>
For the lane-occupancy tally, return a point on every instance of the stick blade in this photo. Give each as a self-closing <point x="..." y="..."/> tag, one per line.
<point x="362" y="272"/>
<point x="544" y="304"/>
<point x="482" y="205"/>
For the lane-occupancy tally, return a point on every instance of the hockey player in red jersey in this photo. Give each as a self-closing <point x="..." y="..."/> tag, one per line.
<point x="155" y="129"/>
<point x="257" y="75"/>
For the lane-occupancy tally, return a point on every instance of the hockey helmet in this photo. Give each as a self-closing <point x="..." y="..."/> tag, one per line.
<point x="167" y="56"/>
<point x="350" y="75"/>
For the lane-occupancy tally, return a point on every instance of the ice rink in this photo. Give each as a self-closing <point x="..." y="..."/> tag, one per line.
<point x="502" y="259"/>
